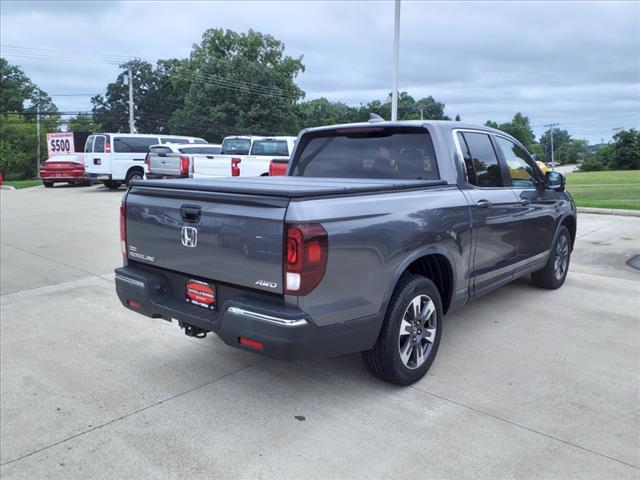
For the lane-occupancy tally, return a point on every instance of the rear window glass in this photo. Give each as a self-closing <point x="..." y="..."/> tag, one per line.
<point x="202" y="150"/>
<point x="238" y="146"/>
<point x="200" y="140"/>
<point x="133" y="144"/>
<point x="98" y="145"/>
<point x="277" y="148"/>
<point x="402" y="153"/>
<point x="160" y="150"/>
<point x="174" y="140"/>
<point x="88" y="146"/>
<point x="480" y="159"/>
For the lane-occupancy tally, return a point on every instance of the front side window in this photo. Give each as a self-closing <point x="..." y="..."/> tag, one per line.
<point x="133" y="144"/>
<point x="520" y="170"/>
<point x="481" y="159"/>
<point x="400" y="153"/>
<point x="275" y="148"/>
<point x="236" y="146"/>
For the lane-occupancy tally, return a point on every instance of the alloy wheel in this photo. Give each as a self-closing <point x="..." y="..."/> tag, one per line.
<point x="417" y="331"/>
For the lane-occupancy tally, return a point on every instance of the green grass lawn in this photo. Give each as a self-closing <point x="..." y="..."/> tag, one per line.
<point x="617" y="189"/>
<point x="22" y="183"/>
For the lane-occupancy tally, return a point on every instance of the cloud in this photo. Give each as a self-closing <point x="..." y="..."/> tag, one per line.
<point x="569" y="62"/>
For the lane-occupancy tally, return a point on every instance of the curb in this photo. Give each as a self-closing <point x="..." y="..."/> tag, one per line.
<point x="7" y="187"/>
<point x="609" y="211"/>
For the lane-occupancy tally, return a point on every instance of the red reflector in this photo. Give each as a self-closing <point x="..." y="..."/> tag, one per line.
<point x="251" y="343"/>
<point x="314" y="252"/>
<point x="133" y="304"/>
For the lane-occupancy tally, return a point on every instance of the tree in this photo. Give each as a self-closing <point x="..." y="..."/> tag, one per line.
<point x="560" y="137"/>
<point x="408" y="108"/>
<point x="625" y="150"/>
<point x="83" y="123"/>
<point x="519" y="128"/>
<point x="19" y="102"/>
<point x="239" y="83"/>
<point x="323" y="112"/>
<point x="573" y="151"/>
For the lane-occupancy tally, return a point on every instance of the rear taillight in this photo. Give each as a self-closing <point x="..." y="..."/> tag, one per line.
<point x="107" y="147"/>
<point x="184" y="165"/>
<point x="277" y="167"/>
<point x="123" y="229"/>
<point x="305" y="257"/>
<point x="147" y="161"/>
<point x="235" y="169"/>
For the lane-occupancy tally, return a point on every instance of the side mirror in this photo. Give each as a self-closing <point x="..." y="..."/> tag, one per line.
<point x="554" y="181"/>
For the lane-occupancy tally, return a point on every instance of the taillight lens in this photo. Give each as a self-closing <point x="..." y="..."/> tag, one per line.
<point x="184" y="165"/>
<point x="123" y="229"/>
<point x="305" y="257"/>
<point x="147" y="161"/>
<point x="235" y="169"/>
<point x="107" y="147"/>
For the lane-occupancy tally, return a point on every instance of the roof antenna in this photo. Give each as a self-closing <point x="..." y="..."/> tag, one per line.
<point x="374" y="117"/>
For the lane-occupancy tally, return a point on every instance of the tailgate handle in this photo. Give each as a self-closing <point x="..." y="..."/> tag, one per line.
<point x="190" y="213"/>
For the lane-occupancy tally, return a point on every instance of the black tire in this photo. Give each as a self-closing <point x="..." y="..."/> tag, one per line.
<point x="111" y="185"/>
<point x="554" y="273"/>
<point x="133" y="175"/>
<point x="47" y="184"/>
<point x="384" y="360"/>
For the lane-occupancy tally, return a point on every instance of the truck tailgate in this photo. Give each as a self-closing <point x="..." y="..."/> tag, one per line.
<point x="229" y="238"/>
<point x="211" y="166"/>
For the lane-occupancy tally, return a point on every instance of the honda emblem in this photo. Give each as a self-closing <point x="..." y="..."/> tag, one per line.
<point x="189" y="236"/>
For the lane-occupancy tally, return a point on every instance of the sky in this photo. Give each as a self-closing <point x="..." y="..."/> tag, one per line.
<point x="573" y="63"/>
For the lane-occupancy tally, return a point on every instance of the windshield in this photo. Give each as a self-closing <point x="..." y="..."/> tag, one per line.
<point x="275" y="148"/>
<point x="401" y="153"/>
<point x="236" y="146"/>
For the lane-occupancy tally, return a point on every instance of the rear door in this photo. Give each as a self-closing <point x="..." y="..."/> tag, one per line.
<point x="209" y="236"/>
<point x="100" y="159"/>
<point x="494" y="211"/>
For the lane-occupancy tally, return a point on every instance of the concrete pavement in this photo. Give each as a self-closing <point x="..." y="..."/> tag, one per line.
<point x="528" y="383"/>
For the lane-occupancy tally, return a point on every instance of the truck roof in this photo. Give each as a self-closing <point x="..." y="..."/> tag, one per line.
<point x="450" y="124"/>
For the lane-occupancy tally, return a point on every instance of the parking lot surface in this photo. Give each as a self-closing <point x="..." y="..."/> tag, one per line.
<point x="528" y="383"/>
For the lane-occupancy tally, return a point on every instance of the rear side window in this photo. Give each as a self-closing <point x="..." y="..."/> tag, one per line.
<point x="88" y="145"/>
<point x="98" y="145"/>
<point x="199" y="140"/>
<point x="276" y="148"/>
<point x="480" y="160"/>
<point x="174" y="140"/>
<point x="236" y="146"/>
<point x="401" y="153"/>
<point x="518" y="164"/>
<point x="202" y="150"/>
<point x="133" y="144"/>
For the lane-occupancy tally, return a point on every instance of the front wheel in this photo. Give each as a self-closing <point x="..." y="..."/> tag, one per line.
<point x="134" y="175"/>
<point x="554" y="273"/>
<point x="410" y="334"/>
<point x="47" y="184"/>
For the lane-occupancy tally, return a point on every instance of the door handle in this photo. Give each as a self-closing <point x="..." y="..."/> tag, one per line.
<point x="483" y="203"/>
<point x="524" y="202"/>
<point x="190" y="213"/>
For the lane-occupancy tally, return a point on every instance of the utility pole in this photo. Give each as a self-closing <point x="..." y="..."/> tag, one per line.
<point x="551" y="125"/>
<point x="396" y="63"/>
<point x="132" y="128"/>
<point x="38" y="136"/>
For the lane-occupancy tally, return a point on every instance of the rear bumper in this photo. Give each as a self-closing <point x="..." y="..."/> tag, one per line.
<point x="98" y="176"/>
<point x="286" y="333"/>
<point x="63" y="176"/>
<point x="157" y="176"/>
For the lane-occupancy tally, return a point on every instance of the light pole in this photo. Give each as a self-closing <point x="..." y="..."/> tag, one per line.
<point x="132" y="128"/>
<point x="551" y="125"/>
<point x="396" y="62"/>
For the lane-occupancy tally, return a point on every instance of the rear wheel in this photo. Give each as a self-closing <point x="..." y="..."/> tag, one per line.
<point x="111" y="185"/>
<point x="134" y="175"/>
<point x="410" y="334"/>
<point x="47" y="184"/>
<point x="554" y="273"/>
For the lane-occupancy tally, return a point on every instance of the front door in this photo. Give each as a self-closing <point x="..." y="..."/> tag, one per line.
<point x="539" y="207"/>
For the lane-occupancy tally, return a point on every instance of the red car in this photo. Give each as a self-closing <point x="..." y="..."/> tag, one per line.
<point x="64" y="168"/>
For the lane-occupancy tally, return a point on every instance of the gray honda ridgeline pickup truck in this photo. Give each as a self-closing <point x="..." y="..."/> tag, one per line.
<point x="377" y="231"/>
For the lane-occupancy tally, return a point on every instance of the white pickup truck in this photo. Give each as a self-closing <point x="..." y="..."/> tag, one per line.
<point x="243" y="156"/>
